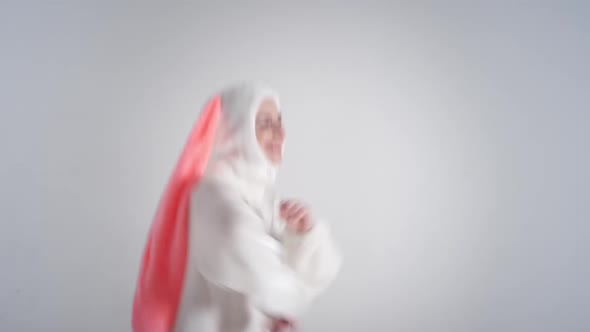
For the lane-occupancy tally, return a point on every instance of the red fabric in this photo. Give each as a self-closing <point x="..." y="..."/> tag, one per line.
<point x="159" y="286"/>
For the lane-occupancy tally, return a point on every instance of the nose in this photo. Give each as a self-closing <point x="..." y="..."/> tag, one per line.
<point x="278" y="131"/>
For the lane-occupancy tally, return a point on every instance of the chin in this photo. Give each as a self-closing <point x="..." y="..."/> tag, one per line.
<point x="276" y="160"/>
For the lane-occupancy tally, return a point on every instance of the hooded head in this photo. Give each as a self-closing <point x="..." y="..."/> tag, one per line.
<point x="250" y="135"/>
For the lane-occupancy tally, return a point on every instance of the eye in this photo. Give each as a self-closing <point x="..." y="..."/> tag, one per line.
<point x="264" y="123"/>
<point x="268" y="122"/>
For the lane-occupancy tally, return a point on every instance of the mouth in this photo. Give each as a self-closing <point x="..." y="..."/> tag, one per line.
<point x="275" y="148"/>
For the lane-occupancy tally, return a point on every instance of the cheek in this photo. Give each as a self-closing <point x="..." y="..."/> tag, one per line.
<point x="264" y="137"/>
<point x="260" y="135"/>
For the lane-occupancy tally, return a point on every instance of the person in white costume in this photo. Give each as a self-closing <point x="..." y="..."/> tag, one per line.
<point x="255" y="262"/>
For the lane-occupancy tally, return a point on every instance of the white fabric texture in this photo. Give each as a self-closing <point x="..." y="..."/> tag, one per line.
<point x="244" y="266"/>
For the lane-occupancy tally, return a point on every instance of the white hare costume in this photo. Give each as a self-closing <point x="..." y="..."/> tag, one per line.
<point x="243" y="267"/>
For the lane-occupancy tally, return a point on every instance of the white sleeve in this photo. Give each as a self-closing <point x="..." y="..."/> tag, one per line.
<point x="233" y="250"/>
<point x="314" y="256"/>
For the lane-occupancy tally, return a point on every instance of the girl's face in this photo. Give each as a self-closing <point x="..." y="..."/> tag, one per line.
<point x="269" y="131"/>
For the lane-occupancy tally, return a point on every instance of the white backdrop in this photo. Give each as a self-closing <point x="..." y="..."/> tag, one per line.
<point x="447" y="143"/>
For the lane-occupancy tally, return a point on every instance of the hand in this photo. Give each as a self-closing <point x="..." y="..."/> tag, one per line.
<point x="281" y="325"/>
<point x="296" y="215"/>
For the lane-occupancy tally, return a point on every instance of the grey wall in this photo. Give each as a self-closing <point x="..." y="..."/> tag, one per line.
<point x="446" y="142"/>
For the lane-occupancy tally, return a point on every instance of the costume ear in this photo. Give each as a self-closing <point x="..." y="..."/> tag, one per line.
<point x="197" y="149"/>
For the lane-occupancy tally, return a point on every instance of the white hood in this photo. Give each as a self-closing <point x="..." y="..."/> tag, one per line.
<point x="236" y="153"/>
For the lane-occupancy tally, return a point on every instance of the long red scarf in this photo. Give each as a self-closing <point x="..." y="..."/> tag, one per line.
<point x="159" y="286"/>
